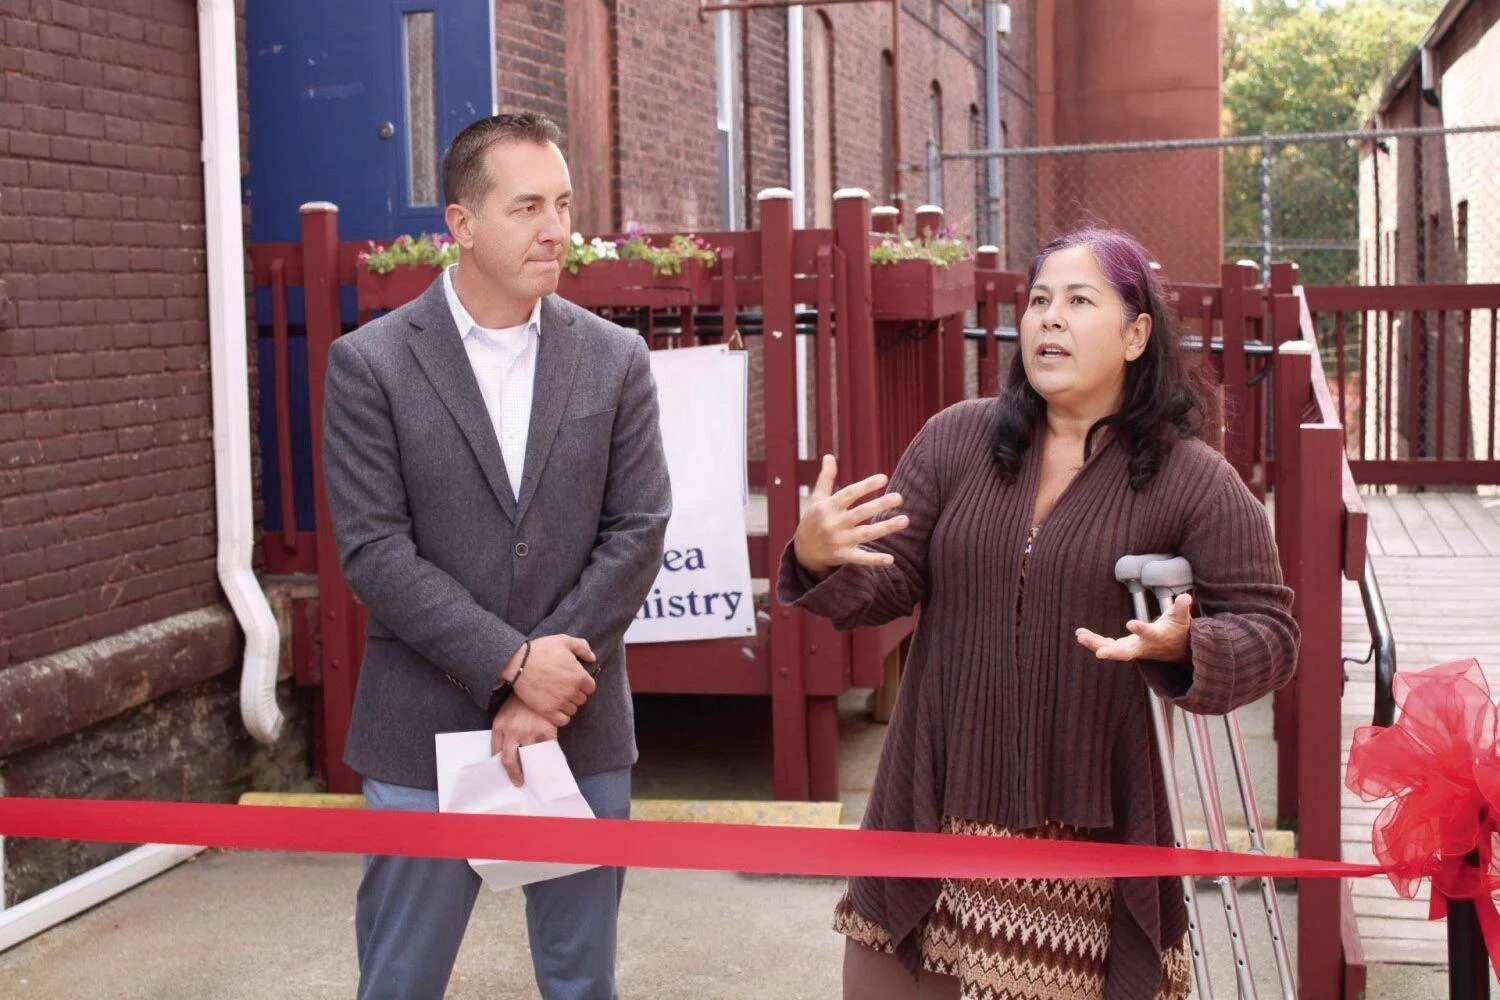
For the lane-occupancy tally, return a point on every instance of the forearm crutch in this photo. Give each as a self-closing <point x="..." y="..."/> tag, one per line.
<point x="1168" y="578"/>
<point x="1128" y="572"/>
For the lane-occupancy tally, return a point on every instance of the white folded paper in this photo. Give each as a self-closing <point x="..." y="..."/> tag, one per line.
<point x="470" y="780"/>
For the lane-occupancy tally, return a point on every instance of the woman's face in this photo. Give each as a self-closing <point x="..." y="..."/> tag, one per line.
<point x="1076" y="337"/>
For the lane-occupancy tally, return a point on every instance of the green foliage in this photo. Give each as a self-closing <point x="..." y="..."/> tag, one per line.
<point x="940" y="250"/>
<point x="438" y="251"/>
<point x="1313" y="66"/>
<point x="1306" y="67"/>
<point x="582" y="253"/>
<point x="434" y="251"/>
<point x="633" y="246"/>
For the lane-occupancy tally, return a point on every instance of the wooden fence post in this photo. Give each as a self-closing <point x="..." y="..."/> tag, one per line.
<point x="320" y="280"/>
<point x="1293" y="388"/>
<point x="788" y="683"/>
<point x="1319" y="507"/>
<point x="852" y="222"/>
<point x="986" y="259"/>
<point x="1237" y="282"/>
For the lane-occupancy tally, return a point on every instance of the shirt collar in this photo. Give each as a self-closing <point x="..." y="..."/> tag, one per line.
<point x="465" y="322"/>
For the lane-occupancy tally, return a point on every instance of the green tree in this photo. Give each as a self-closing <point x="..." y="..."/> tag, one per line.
<point x="1315" y="66"/>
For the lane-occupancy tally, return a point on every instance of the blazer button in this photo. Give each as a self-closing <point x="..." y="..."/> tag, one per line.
<point x="522" y="548"/>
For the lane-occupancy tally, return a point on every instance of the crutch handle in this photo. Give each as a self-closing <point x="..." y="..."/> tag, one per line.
<point x="1168" y="578"/>
<point x="1175" y="574"/>
<point x="1128" y="568"/>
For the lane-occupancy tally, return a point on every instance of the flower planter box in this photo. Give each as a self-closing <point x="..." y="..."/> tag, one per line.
<point x="919" y="289"/>
<point x="634" y="283"/>
<point x="387" y="291"/>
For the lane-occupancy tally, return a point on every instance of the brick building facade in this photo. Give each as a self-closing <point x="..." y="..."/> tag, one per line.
<point x="118" y="657"/>
<point x="1429" y="212"/>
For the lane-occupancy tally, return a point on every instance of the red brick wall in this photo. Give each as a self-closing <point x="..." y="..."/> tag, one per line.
<point x="947" y="50"/>
<point x="764" y="82"/>
<point x="531" y="68"/>
<point x="106" y="463"/>
<point x="1168" y="89"/>
<point x="666" y="124"/>
<point x="668" y="153"/>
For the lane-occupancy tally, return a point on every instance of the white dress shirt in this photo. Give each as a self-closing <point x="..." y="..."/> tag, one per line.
<point x="504" y="363"/>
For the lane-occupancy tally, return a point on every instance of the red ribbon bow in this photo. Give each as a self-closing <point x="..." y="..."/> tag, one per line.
<point x="1441" y="765"/>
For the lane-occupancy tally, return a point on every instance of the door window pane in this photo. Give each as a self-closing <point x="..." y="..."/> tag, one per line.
<point x="421" y="109"/>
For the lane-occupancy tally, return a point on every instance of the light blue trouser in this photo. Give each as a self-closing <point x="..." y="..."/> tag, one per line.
<point x="411" y="913"/>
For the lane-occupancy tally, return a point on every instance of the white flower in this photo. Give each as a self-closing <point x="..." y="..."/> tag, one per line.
<point x="578" y="239"/>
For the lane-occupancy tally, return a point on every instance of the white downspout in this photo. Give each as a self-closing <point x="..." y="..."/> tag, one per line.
<point x="728" y="118"/>
<point x="796" y="152"/>
<point x="229" y="367"/>
<point x="796" y="115"/>
<point x="218" y="68"/>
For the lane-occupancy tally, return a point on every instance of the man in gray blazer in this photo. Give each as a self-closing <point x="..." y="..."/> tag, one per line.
<point x="499" y="493"/>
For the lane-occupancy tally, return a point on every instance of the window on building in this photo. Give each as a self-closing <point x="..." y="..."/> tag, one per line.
<point x="887" y="128"/>
<point x="1433" y="252"/>
<point x="823" y="119"/>
<point x="1461" y="239"/>
<point x="976" y="141"/>
<point x="421" y="109"/>
<point x="1002" y="207"/>
<point x="727" y="53"/>
<point x="935" y="144"/>
<point x="590" y="132"/>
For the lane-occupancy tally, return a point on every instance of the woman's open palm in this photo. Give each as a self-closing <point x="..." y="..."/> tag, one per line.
<point x="836" y="526"/>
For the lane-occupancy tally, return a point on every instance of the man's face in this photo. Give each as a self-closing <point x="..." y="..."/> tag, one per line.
<point x="518" y="236"/>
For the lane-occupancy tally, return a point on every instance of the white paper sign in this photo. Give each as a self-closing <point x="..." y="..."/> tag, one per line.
<point x="703" y="588"/>
<point x="470" y="780"/>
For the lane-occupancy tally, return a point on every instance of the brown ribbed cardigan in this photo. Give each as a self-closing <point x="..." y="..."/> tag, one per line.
<point x="1023" y="729"/>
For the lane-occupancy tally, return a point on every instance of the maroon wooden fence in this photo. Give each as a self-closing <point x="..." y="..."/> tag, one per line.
<point x="1413" y="372"/>
<point x="856" y="365"/>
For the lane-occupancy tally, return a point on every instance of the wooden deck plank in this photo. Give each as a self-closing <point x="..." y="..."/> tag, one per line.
<point x="1459" y="535"/>
<point x="1387" y="525"/>
<point x="1424" y="533"/>
<point x="1402" y="950"/>
<point x="1439" y="572"/>
<point x="1479" y="518"/>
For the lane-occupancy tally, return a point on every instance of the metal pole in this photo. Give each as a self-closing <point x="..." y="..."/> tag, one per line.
<point x="1222" y="142"/>
<point x="729" y="146"/>
<point x="1468" y="961"/>
<point x="1265" y="206"/>
<point x="992" y="206"/>
<point x="934" y="175"/>
<point x="712" y="8"/>
<point x="896" y="198"/>
<point x="1468" y="964"/>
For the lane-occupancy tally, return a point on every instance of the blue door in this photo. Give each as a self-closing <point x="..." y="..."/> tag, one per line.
<point x="353" y="102"/>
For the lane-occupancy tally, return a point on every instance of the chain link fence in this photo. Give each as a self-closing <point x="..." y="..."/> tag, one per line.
<point x="1391" y="206"/>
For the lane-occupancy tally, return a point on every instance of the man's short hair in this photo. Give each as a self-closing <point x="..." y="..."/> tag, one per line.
<point x="465" y="180"/>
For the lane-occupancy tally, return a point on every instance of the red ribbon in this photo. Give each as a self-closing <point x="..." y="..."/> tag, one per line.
<point x="771" y="850"/>
<point x="1441" y="764"/>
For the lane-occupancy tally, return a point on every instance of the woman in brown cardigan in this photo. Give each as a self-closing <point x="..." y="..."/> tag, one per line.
<point x="1018" y="712"/>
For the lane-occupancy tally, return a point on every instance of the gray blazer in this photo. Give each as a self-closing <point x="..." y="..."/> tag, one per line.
<point x="455" y="570"/>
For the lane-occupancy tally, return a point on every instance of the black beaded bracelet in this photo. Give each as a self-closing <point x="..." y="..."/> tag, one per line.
<point x="525" y="655"/>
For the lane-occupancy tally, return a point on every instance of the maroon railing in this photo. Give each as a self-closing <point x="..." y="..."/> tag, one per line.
<point x="1413" y="372"/>
<point x="801" y="662"/>
<point x="1321" y="529"/>
<point x="884" y="356"/>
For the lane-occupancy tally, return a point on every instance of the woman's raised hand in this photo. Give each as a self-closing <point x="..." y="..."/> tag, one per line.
<point x="836" y="525"/>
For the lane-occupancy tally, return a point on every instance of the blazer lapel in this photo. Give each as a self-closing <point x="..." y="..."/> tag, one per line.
<point x="439" y="349"/>
<point x="556" y="363"/>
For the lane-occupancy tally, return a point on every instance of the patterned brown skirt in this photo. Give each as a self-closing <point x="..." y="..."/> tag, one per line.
<point x="1018" y="939"/>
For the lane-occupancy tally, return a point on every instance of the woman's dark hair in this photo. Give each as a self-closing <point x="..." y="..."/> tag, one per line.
<point x="1161" y="403"/>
